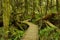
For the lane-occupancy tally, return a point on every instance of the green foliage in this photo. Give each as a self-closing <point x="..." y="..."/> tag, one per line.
<point x="49" y="33"/>
<point x="13" y="34"/>
<point x="20" y="10"/>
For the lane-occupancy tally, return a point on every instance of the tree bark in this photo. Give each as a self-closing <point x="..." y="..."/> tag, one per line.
<point x="6" y="17"/>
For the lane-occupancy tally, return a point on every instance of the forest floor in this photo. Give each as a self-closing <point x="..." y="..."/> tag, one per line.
<point x="31" y="33"/>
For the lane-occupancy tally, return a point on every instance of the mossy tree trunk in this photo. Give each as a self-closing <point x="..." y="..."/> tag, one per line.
<point x="47" y="1"/>
<point x="51" y="6"/>
<point x="40" y="4"/>
<point x="57" y="6"/>
<point x="26" y="7"/>
<point x="34" y="8"/>
<point x="0" y="8"/>
<point x="6" y="17"/>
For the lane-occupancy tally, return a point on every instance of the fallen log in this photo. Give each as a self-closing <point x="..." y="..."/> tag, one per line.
<point x="51" y="25"/>
<point x="46" y="17"/>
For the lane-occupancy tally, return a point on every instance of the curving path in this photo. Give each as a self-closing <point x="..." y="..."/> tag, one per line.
<point x="31" y="33"/>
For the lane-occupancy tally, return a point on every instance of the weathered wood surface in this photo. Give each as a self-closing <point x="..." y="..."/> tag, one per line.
<point x="31" y="33"/>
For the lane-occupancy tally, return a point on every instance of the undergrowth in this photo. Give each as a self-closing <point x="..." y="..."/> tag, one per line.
<point x="13" y="34"/>
<point x="49" y="33"/>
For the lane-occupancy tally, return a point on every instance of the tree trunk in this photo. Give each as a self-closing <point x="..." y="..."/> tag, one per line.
<point x="46" y="6"/>
<point x="6" y="17"/>
<point x="57" y="6"/>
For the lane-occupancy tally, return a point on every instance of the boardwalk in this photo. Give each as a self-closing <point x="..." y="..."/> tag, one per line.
<point x="31" y="33"/>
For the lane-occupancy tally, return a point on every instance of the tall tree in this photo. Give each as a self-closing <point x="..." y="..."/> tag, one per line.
<point x="47" y="1"/>
<point x="33" y="13"/>
<point x="51" y="5"/>
<point x="26" y="6"/>
<point x="6" y="17"/>
<point x="1" y="22"/>
<point x="57" y="6"/>
<point x="40" y="4"/>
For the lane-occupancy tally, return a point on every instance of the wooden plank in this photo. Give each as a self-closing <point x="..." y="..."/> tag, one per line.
<point x="31" y="33"/>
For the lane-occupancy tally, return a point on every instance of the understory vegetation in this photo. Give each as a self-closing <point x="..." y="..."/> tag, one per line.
<point x="43" y="13"/>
